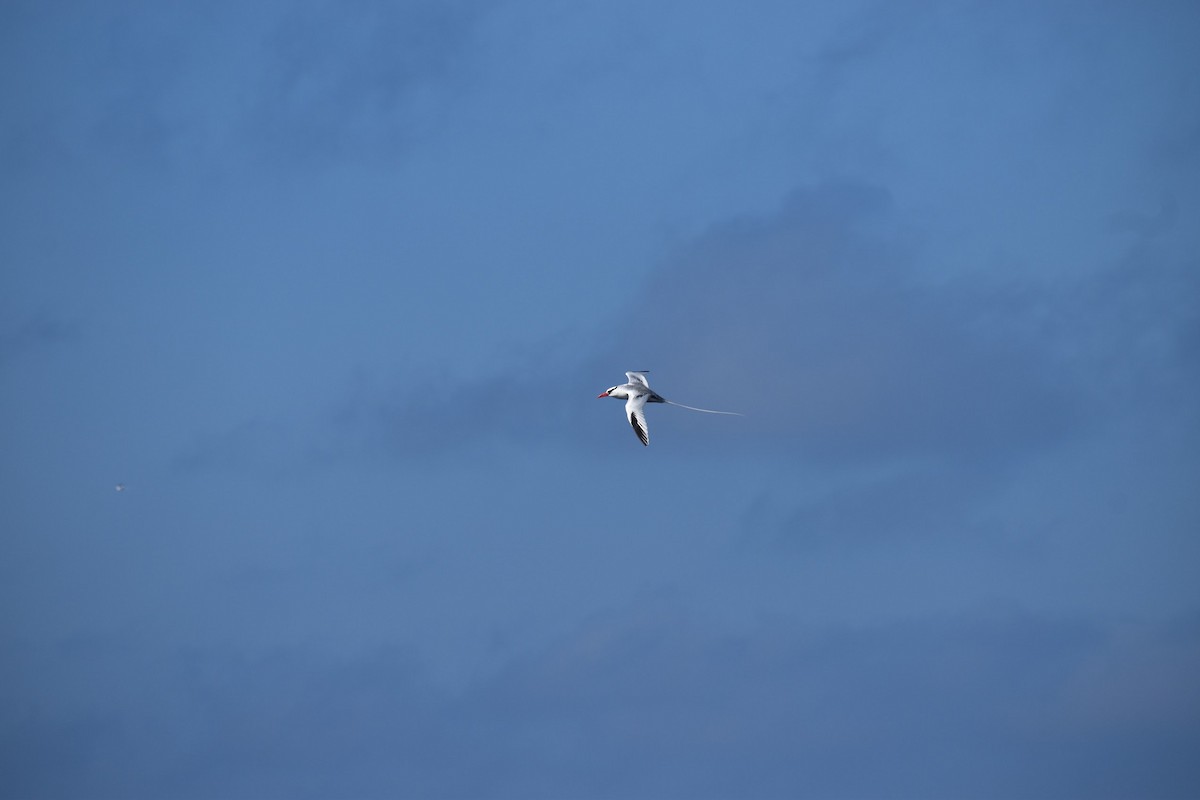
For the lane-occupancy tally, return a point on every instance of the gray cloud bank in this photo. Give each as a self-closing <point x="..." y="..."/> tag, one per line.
<point x="651" y="702"/>
<point x="818" y="323"/>
<point x="941" y="260"/>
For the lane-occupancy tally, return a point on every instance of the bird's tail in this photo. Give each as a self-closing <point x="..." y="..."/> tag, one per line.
<point x="705" y="410"/>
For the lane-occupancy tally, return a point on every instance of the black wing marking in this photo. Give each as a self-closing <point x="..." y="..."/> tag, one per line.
<point x="641" y="434"/>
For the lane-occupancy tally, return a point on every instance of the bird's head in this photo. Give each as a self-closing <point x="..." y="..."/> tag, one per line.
<point x="608" y="392"/>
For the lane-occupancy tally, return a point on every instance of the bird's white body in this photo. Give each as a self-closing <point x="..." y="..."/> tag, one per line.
<point x="636" y="393"/>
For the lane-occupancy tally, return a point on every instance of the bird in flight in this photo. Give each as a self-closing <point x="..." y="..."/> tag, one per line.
<point x="636" y="394"/>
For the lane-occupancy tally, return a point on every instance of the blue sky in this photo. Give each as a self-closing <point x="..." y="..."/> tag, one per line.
<point x="331" y="288"/>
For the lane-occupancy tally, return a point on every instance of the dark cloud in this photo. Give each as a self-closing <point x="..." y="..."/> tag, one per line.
<point x="106" y="84"/>
<point x="34" y="332"/>
<point x="817" y="322"/>
<point x="965" y="344"/>
<point x="862" y="37"/>
<point x="251" y="445"/>
<point x="651" y="702"/>
<point x="784" y="712"/>
<point x="341" y="79"/>
<point x="906" y="503"/>
<point x="177" y="89"/>
<point x="287" y="723"/>
<point x="532" y="403"/>
<point x="813" y="323"/>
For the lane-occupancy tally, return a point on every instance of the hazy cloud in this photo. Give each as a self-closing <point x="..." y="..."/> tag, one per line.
<point x="818" y="324"/>
<point x="656" y="702"/>
<point x="332" y="289"/>
<point x="343" y="78"/>
<point x="814" y="323"/>
<point x="225" y="85"/>
<point x="33" y="332"/>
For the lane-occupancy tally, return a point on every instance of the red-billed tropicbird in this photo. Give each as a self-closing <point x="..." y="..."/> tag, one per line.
<point x="636" y="394"/>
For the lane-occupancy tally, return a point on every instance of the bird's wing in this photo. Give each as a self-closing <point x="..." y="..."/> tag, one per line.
<point x="638" y="378"/>
<point x="637" y="418"/>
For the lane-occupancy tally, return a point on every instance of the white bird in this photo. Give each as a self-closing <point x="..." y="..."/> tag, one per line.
<point x="636" y="394"/>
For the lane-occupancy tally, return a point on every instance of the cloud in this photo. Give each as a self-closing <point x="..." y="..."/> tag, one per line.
<point x="35" y="331"/>
<point x="649" y="701"/>
<point x="339" y="79"/>
<point x="778" y="712"/>
<point x="821" y="325"/>
<point x="930" y="708"/>
<point x="911" y="503"/>
<point x="534" y="402"/>
<point x="252" y="444"/>
<point x="818" y="323"/>
<point x="285" y="723"/>
<point x="164" y="88"/>
<point x="101" y="82"/>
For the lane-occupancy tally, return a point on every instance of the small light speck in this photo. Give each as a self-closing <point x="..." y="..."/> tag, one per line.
<point x="120" y="487"/>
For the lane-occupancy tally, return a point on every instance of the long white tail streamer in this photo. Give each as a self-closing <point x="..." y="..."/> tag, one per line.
<point x="705" y="410"/>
